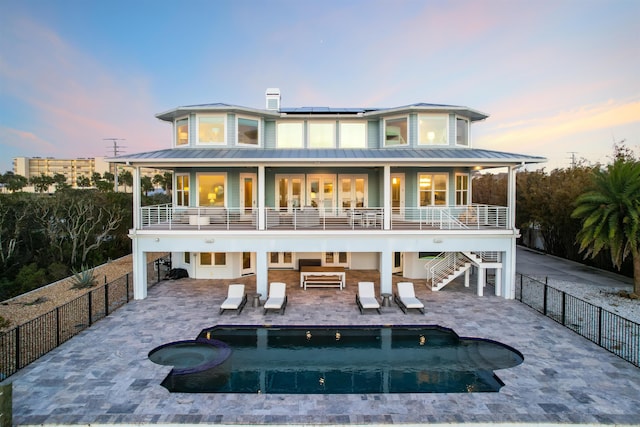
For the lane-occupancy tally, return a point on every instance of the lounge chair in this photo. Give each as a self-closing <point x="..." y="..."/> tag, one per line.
<point x="277" y="297"/>
<point x="236" y="299"/>
<point x="366" y="297"/>
<point x="406" y="298"/>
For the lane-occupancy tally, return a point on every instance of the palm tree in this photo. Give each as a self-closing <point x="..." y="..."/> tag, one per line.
<point x="610" y="214"/>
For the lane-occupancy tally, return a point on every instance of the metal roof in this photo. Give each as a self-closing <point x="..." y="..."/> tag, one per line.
<point x="473" y="115"/>
<point x="227" y="156"/>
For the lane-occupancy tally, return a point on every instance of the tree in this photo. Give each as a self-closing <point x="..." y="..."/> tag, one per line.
<point x="41" y="183"/>
<point x="146" y="185"/>
<point x="125" y="178"/>
<point x="83" y="182"/>
<point x="610" y="214"/>
<point x="14" y="182"/>
<point x="60" y="181"/>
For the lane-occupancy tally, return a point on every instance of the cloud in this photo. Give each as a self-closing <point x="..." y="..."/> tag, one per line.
<point x="73" y="98"/>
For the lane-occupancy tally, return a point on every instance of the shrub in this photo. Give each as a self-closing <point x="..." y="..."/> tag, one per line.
<point x="83" y="279"/>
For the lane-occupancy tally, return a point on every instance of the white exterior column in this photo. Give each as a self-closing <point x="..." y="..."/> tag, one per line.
<point x="509" y="256"/>
<point x="139" y="260"/>
<point x="386" y="197"/>
<point x="498" y="282"/>
<point x="386" y="272"/>
<point x="137" y="198"/>
<point x="262" y="274"/>
<point x="481" y="273"/>
<point x="261" y="210"/>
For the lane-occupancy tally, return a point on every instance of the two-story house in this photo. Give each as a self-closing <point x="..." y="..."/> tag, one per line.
<point x="386" y="189"/>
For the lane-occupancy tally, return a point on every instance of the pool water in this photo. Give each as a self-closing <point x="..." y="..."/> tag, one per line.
<point x="337" y="359"/>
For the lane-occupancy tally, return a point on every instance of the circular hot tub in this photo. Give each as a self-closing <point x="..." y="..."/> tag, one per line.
<point x="191" y="356"/>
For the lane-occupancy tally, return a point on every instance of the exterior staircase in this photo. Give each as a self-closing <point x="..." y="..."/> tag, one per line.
<point x="448" y="266"/>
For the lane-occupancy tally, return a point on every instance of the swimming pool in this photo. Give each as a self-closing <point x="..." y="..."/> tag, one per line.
<point x="334" y="360"/>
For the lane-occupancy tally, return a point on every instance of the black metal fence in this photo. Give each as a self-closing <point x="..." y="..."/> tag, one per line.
<point x="27" y="342"/>
<point x="610" y="331"/>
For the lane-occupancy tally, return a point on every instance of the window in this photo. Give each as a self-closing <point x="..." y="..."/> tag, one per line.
<point x="248" y="131"/>
<point x="462" y="189"/>
<point x="290" y="135"/>
<point x="353" y="135"/>
<point x="220" y="259"/>
<point x="211" y="190"/>
<point x="182" y="190"/>
<point x="395" y="132"/>
<point x="211" y="129"/>
<point x="187" y="257"/>
<point x="322" y="135"/>
<point x="432" y="130"/>
<point x="462" y="131"/>
<point x="432" y="189"/>
<point x="205" y="258"/>
<point x="182" y="132"/>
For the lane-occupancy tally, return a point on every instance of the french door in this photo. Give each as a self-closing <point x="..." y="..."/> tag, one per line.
<point x="397" y="194"/>
<point x="248" y="263"/>
<point x="289" y="193"/>
<point x="248" y="191"/>
<point x="352" y="192"/>
<point x="321" y="192"/>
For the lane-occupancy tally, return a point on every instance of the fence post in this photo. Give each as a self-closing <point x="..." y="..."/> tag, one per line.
<point x="127" y="281"/>
<point x="18" y="348"/>
<point x="58" y="328"/>
<point x="600" y="326"/>
<point x="106" y="299"/>
<point x="89" y="294"/>
<point x="544" y="296"/>
<point x="6" y="410"/>
<point x="564" y="310"/>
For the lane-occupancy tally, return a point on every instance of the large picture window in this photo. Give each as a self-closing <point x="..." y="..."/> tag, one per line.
<point x="432" y="189"/>
<point x="182" y="132"/>
<point x="211" y="190"/>
<point x="462" y="131"/>
<point x="182" y="190"/>
<point x="290" y="135"/>
<point x="432" y="130"/>
<point x="353" y="135"/>
<point x="322" y="135"/>
<point x="248" y="131"/>
<point x="211" y="129"/>
<point x="395" y="132"/>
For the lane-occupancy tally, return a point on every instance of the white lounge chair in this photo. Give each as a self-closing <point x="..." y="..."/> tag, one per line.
<point x="277" y="297"/>
<point x="406" y="298"/>
<point x="236" y="299"/>
<point x="366" y="297"/>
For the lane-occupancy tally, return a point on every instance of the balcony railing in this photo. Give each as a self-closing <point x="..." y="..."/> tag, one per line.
<point x="472" y="217"/>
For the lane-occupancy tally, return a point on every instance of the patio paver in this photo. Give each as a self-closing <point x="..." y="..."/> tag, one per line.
<point x="103" y="375"/>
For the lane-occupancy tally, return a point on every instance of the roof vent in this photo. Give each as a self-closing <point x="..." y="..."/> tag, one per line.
<point x="273" y="98"/>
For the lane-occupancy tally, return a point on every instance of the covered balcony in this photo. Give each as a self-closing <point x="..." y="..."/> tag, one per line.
<point x="369" y="219"/>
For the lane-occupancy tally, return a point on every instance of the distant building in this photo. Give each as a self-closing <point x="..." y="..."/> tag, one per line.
<point x="73" y="169"/>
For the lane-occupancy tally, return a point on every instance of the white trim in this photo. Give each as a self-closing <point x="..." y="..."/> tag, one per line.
<point x="224" y="130"/>
<point x="175" y="131"/>
<point x="384" y="131"/>
<point x="421" y="143"/>
<point x="237" y="136"/>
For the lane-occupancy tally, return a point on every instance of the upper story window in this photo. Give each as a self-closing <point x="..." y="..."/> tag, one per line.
<point x="290" y="135"/>
<point x="433" y="129"/>
<point x="182" y="132"/>
<point x="211" y="129"/>
<point x="322" y="135"/>
<point x="248" y="131"/>
<point x="211" y="189"/>
<point x="353" y="135"/>
<point x="462" y="131"/>
<point x="395" y="132"/>
<point x="462" y="189"/>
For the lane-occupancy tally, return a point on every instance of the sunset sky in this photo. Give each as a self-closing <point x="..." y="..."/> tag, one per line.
<point x="559" y="78"/>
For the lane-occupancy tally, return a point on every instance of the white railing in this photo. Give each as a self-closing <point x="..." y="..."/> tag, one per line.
<point x="471" y="217"/>
<point x="441" y="267"/>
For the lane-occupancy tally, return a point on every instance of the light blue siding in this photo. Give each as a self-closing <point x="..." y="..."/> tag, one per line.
<point x="269" y="134"/>
<point x="413" y="130"/>
<point x="452" y="130"/>
<point x="374" y="130"/>
<point x="232" y="139"/>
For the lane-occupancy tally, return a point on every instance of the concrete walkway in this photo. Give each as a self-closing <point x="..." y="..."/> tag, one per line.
<point x="103" y="375"/>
